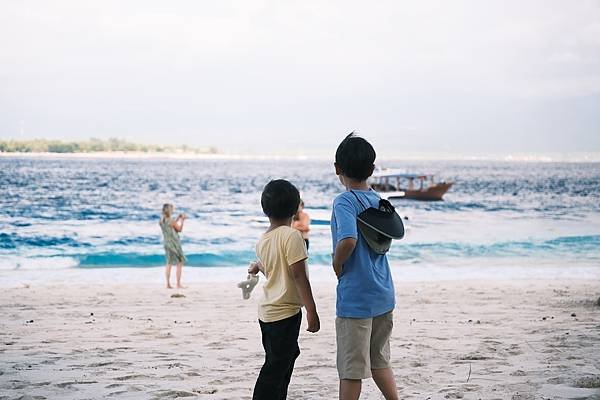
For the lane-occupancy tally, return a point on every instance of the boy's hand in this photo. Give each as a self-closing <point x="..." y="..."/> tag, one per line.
<point x="313" y="322"/>
<point x="305" y="292"/>
<point x="337" y="269"/>
<point x="254" y="269"/>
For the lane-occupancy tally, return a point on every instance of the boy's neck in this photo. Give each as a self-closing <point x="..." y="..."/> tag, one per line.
<point x="352" y="184"/>
<point x="276" y="223"/>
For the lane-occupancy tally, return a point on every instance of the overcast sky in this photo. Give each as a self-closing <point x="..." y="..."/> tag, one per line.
<point x="295" y="76"/>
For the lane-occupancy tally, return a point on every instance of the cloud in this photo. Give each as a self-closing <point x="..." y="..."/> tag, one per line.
<point x="201" y="71"/>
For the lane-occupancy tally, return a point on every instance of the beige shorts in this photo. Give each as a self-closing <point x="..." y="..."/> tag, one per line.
<point x="363" y="344"/>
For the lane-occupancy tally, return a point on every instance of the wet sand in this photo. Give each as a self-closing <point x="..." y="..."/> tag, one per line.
<point x="509" y="339"/>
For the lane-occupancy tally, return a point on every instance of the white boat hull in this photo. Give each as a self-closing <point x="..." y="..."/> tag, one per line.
<point x="399" y="194"/>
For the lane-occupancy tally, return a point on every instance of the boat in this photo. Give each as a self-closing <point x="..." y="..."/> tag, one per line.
<point x="394" y="184"/>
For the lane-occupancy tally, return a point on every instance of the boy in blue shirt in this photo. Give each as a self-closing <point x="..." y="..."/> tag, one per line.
<point x="365" y="291"/>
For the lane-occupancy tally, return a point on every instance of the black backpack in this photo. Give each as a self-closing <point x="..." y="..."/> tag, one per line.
<point x="379" y="226"/>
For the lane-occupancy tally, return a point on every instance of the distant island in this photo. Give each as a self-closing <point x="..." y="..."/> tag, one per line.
<point x="94" y="145"/>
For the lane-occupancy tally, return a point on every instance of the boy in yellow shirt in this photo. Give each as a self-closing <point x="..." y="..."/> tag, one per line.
<point x="282" y="259"/>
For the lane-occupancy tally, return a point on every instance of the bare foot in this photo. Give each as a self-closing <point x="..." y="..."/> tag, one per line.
<point x="169" y="287"/>
<point x="181" y="287"/>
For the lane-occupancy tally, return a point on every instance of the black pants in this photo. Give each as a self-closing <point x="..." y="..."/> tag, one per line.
<point x="280" y="340"/>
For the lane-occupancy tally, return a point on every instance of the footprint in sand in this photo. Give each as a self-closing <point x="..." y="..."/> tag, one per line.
<point x="475" y="356"/>
<point x="167" y="335"/>
<point x="453" y="394"/>
<point x="45" y="383"/>
<point x="204" y="391"/>
<point x="514" y="350"/>
<point x="113" y="385"/>
<point x="470" y="387"/>
<point x="588" y="382"/>
<point x="522" y="396"/>
<point x="118" y="393"/>
<point x="518" y="373"/>
<point x="215" y="345"/>
<point x="130" y="377"/>
<point x="71" y="383"/>
<point x="100" y="364"/>
<point x="175" y="394"/>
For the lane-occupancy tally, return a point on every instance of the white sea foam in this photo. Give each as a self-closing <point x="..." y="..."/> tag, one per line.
<point x="17" y="264"/>
<point x="50" y="275"/>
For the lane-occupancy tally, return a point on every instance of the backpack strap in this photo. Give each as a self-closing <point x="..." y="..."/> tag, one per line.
<point x="357" y="198"/>
<point x="361" y="203"/>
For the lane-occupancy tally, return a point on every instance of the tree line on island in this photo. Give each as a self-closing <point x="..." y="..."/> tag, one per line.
<point x="94" y="145"/>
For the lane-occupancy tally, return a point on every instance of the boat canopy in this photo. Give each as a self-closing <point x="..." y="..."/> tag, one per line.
<point x="395" y="173"/>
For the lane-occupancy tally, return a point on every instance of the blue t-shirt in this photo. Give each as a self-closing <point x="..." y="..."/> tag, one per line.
<point x="365" y="288"/>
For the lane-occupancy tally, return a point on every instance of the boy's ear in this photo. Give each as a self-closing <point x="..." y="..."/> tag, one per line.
<point x="338" y="169"/>
<point x="372" y="170"/>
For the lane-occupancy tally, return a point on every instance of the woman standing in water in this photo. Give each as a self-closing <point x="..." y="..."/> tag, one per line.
<point x="174" y="253"/>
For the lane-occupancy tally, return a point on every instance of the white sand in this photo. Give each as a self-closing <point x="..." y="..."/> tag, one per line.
<point x="518" y="339"/>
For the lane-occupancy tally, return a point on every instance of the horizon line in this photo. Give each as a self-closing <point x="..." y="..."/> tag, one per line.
<point x="547" y="157"/>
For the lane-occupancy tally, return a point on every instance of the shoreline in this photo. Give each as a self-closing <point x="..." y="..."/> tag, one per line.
<point x="15" y="278"/>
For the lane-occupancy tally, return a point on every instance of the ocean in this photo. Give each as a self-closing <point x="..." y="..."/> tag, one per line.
<point x="90" y="213"/>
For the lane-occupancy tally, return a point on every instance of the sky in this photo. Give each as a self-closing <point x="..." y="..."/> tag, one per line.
<point x="293" y="77"/>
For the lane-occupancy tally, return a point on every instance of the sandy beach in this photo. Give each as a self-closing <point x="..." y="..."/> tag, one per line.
<point x="513" y="339"/>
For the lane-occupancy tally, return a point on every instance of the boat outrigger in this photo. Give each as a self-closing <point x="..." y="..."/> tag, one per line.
<point x="390" y="183"/>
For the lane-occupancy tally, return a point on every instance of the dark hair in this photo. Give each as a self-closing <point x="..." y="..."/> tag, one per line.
<point x="355" y="157"/>
<point x="280" y="199"/>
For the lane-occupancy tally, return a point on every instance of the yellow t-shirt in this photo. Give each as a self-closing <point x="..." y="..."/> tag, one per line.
<point x="277" y="250"/>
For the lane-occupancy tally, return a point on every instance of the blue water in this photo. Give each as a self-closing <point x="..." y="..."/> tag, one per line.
<point x="90" y="213"/>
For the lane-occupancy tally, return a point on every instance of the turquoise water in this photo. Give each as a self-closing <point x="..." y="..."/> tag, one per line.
<point x="91" y="213"/>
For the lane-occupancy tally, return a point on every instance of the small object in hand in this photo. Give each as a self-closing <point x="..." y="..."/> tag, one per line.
<point x="248" y="285"/>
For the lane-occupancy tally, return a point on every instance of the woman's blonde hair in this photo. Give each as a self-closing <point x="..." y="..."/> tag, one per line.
<point x="166" y="211"/>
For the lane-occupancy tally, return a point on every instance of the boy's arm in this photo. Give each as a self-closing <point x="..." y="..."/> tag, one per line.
<point x="343" y="251"/>
<point x="344" y="213"/>
<point x="305" y="291"/>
